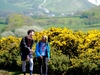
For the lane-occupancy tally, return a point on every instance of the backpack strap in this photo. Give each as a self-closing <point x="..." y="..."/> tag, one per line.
<point x="40" y="44"/>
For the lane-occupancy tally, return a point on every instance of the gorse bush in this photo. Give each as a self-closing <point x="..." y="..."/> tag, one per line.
<point x="9" y="52"/>
<point x="70" y="51"/>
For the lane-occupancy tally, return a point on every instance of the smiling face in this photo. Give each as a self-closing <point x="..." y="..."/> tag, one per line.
<point x="31" y="34"/>
<point x="44" y="38"/>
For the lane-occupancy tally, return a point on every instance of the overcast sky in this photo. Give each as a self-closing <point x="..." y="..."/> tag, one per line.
<point x="96" y="2"/>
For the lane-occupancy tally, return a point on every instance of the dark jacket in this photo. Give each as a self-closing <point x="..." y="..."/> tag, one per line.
<point x="25" y="45"/>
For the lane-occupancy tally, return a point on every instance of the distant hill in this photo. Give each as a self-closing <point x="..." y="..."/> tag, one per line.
<point x="47" y="6"/>
<point x="8" y="6"/>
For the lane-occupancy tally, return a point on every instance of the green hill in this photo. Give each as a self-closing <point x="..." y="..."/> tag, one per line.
<point x="67" y="5"/>
<point x="59" y="6"/>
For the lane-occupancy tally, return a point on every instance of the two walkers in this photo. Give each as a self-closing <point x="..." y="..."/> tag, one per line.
<point x="42" y="53"/>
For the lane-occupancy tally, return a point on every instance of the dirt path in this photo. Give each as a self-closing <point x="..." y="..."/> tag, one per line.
<point x="45" y="9"/>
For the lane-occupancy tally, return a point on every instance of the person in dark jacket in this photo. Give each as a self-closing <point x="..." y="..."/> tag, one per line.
<point x="43" y="55"/>
<point x="26" y="51"/>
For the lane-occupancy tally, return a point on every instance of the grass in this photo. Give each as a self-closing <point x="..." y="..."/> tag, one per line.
<point x="65" y="5"/>
<point x="19" y="73"/>
<point x="76" y="23"/>
<point x="73" y="23"/>
<point x="61" y="6"/>
<point x="7" y="72"/>
<point x="83" y="28"/>
<point x="4" y="72"/>
<point x="2" y="24"/>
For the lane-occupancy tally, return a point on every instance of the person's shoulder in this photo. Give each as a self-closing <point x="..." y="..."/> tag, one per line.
<point x="33" y="40"/>
<point x="39" y="41"/>
<point x="24" y="38"/>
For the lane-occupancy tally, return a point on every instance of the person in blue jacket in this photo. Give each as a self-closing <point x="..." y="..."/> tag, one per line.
<point x="43" y="55"/>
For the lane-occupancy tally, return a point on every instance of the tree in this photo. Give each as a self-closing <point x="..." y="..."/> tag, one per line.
<point x="18" y="20"/>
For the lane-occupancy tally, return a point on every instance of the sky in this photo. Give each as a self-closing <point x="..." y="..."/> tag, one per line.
<point x="96" y="2"/>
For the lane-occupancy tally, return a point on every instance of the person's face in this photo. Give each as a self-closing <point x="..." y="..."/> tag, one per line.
<point x="44" y="38"/>
<point x="32" y="33"/>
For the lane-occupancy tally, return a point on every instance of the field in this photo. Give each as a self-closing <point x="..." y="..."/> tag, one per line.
<point x="73" y="23"/>
<point x="2" y="24"/>
<point x="83" y="28"/>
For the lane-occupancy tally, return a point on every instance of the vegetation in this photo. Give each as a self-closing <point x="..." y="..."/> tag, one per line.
<point x="71" y="52"/>
<point x="3" y="72"/>
<point x="15" y="23"/>
<point x="2" y="24"/>
<point x="74" y="40"/>
<point x="84" y="21"/>
<point x="57" y="6"/>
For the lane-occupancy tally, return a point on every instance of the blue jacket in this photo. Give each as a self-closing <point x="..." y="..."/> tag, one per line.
<point x="37" y="51"/>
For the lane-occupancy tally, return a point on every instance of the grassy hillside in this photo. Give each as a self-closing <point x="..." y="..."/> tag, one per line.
<point x="74" y="23"/>
<point x="2" y="24"/>
<point x="67" y="5"/>
<point x="64" y="6"/>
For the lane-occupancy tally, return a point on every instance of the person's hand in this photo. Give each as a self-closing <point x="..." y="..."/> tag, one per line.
<point x="32" y="51"/>
<point x="41" y="57"/>
<point x="28" y="58"/>
<point x="48" y="59"/>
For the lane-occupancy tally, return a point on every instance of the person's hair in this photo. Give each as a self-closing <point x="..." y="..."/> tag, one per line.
<point x="45" y="37"/>
<point x="29" y="31"/>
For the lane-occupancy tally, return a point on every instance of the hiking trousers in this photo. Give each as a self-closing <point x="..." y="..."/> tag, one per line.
<point x="43" y="65"/>
<point x="24" y="65"/>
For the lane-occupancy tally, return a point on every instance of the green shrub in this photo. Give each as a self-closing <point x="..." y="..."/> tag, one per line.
<point x="10" y="53"/>
<point x="83" y="50"/>
<point x="59" y="63"/>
